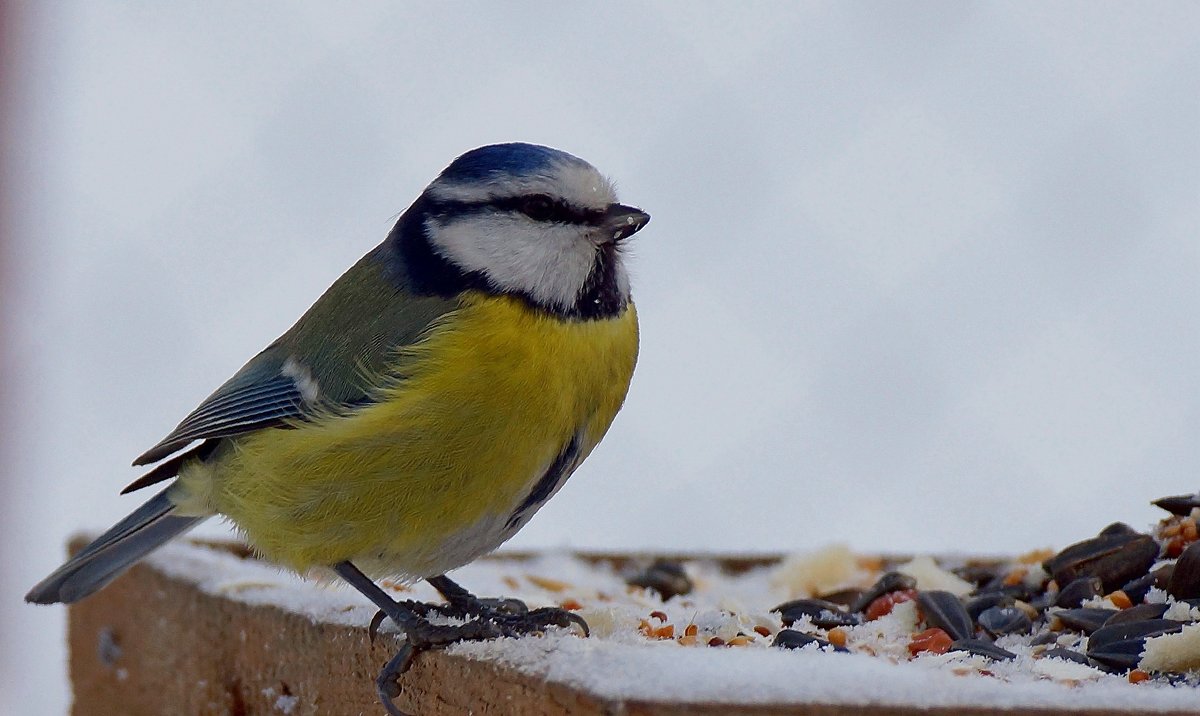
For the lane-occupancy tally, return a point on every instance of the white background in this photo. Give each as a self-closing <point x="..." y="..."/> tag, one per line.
<point x="919" y="276"/>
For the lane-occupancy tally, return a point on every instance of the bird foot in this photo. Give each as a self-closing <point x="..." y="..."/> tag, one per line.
<point x="485" y="619"/>
<point x="509" y="617"/>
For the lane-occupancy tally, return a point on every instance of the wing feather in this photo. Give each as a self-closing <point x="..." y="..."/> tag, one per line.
<point x="237" y="407"/>
<point x="320" y="362"/>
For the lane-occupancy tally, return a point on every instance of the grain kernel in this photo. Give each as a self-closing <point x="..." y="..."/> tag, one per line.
<point x="1015" y="577"/>
<point x="1120" y="599"/>
<point x="1037" y="556"/>
<point x="882" y="606"/>
<point x="935" y="641"/>
<point x="1189" y="531"/>
<point x="550" y="585"/>
<point x="645" y="628"/>
<point x="837" y="636"/>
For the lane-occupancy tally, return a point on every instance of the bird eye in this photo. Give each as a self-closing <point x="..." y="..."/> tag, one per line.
<point x="538" y="207"/>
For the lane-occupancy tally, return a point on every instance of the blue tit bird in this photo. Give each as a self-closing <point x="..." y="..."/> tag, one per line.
<point x="423" y="409"/>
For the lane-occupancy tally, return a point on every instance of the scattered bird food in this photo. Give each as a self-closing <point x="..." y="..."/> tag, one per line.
<point x="1122" y="602"/>
<point x="1110" y="622"/>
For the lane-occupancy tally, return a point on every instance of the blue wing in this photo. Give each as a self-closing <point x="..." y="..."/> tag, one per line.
<point x="312" y="365"/>
<point x="259" y="396"/>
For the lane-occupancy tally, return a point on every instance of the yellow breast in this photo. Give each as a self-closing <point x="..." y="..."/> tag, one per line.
<point x="424" y="479"/>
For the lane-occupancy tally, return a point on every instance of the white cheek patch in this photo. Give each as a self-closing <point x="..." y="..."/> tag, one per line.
<point x="548" y="262"/>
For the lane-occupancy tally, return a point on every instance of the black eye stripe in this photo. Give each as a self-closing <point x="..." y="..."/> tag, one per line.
<point x="538" y="207"/>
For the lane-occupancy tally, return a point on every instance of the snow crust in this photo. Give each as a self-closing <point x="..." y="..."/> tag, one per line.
<point x="621" y="662"/>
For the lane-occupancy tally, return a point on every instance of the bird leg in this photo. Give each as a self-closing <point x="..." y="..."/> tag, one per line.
<point x="485" y="619"/>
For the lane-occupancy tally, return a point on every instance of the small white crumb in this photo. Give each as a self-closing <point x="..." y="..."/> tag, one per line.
<point x="1099" y="603"/>
<point x="1182" y="612"/>
<point x="808" y="573"/>
<point x="1155" y="596"/>
<point x="1173" y="652"/>
<point x="930" y="576"/>
<point x="608" y="621"/>
<point x="286" y="704"/>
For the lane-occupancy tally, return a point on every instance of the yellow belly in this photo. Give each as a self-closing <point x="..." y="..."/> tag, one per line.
<point x="423" y="480"/>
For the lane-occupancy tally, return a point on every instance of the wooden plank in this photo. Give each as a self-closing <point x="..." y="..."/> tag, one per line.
<point x="149" y="645"/>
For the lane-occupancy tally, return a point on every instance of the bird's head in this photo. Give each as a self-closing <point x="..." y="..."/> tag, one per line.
<point x="535" y="222"/>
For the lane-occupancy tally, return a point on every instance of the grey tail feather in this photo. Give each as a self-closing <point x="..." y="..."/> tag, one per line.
<point x="144" y="530"/>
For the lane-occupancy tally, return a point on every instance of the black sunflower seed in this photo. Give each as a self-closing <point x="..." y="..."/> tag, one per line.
<point x="1084" y="619"/>
<point x="945" y="611"/>
<point x="1118" y="655"/>
<point x="843" y="597"/>
<point x="1104" y="637"/>
<point x="1117" y="528"/>
<point x="977" y="605"/>
<point x="1068" y="654"/>
<point x="1078" y="591"/>
<point x="666" y="577"/>
<point x="791" y="639"/>
<point x="977" y="573"/>
<point x="889" y="582"/>
<point x="1179" y="504"/>
<point x="1140" y="613"/>
<point x="1136" y="589"/>
<point x="998" y="621"/>
<point x="823" y="614"/>
<point x="1185" y="578"/>
<point x="982" y="647"/>
<point x="1115" y="558"/>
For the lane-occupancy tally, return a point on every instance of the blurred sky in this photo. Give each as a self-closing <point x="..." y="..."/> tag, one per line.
<point x="919" y="276"/>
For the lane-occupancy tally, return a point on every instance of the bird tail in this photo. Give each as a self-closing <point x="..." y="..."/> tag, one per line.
<point x="144" y="530"/>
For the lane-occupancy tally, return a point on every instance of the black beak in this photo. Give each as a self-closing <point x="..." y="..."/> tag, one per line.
<point x="622" y="221"/>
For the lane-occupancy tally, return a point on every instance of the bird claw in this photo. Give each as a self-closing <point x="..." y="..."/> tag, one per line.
<point x="376" y="622"/>
<point x="387" y="684"/>
<point x="537" y="620"/>
<point x="487" y="619"/>
<point x="556" y="616"/>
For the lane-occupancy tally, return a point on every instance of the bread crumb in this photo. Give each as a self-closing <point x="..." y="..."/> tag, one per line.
<point x="930" y="576"/>
<point x="812" y="573"/>
<point x="1173" y="652"/>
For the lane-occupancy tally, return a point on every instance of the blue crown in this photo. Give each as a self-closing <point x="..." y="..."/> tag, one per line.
<point x="513" y="158"/>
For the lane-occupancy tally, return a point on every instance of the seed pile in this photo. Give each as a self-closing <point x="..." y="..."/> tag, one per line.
<point x="1123" y="602"/>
